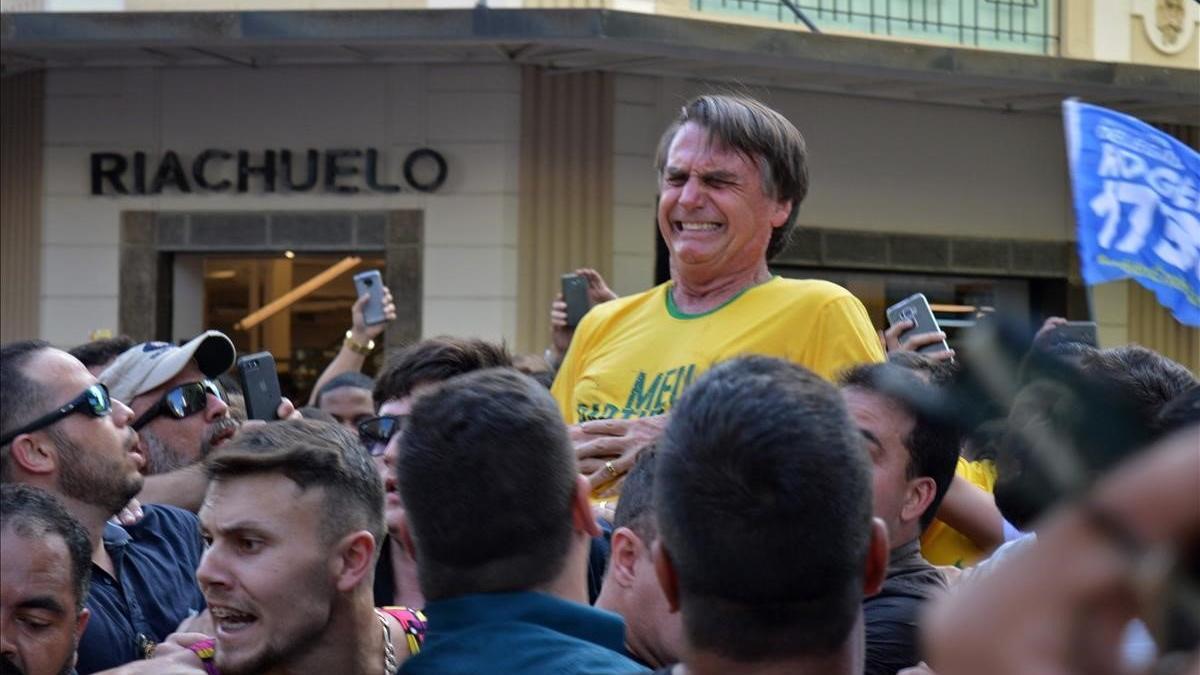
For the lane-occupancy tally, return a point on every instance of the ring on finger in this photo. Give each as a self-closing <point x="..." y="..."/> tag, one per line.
<point x="610" y="469"/>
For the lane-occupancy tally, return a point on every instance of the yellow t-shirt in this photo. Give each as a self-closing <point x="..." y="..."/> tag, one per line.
<point x="944" y="545"/>
<point x="633" y="357"/>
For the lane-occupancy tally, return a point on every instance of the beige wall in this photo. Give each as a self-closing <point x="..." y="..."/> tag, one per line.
<point x="1129" y="314"/>
<point x="1128" y="31"/>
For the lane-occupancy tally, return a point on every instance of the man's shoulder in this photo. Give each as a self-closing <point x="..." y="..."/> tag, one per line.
<point x="816" y="291"/>
<point x="163" y="517"/>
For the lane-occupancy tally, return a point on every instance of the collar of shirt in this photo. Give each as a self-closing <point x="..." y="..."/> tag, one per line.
<point x="570" y="618"/>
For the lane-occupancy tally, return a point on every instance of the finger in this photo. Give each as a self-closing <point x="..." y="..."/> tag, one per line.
<point x="602" y="447"/>
<point x="946" y="355"/>
<point x="590" y="465"/>
<point x="915" y="342"/>
<point x="599" y="478"/>
<point x="362" y="300"/>
<point x="606" y="427"/>
<point x="287" y="411"/>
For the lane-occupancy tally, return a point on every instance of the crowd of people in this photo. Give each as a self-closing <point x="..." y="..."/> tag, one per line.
<point x="732" y="472"/>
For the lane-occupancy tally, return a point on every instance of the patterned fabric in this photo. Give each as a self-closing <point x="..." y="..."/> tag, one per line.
<point x="412" y="621"/>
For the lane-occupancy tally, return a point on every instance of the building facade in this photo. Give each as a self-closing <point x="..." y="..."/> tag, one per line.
<point x="169" y="171"/>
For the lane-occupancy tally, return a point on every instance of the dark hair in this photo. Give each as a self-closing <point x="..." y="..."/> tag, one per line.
<point x="101" y="352"/>
<point x="1182" y="411"/>
<point x="352" y="379"/>
<point x="937" y="373"/>
<point x="36" y="514"/>
<point x="1133" y="385"/>
<point x="435" y="360"/>
<point x="487" y="475"/>
<point x="1146" y="379"/>
<point x="21" y="398"/>
<point x="932" y="445"/>
<point x="311" y="454"/>
<point x="635" y="509"/>
<point x="764" y="506"/>
<point x="760" y="134"/>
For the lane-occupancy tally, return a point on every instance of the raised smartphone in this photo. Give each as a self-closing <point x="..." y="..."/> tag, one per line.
<point x="371" y="283"/>
<point x="575" y="294"/>
<point x="260" y="385"/>
<point x="1078" y="331"/>
<point x="915" y="308"/>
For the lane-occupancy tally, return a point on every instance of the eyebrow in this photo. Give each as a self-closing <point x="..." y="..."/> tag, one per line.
<point x="241" y="526"/>
<point x="872" y="438"/>
<point x="717" y="174"/>
<point x="45" y="602"/>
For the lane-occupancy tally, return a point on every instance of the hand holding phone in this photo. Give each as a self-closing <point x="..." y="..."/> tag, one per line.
<point x="915" y="308"/>
<point x="260" y="386"/>
<point x="371" y="283"/>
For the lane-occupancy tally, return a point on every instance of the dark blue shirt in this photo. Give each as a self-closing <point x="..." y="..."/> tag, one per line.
<point x="155" y="589"/>
<point x="500" y="633"/>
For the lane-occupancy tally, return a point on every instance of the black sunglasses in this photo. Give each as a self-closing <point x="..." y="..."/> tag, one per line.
<point x="377" y="431"/>
<point x="186" y="399"/>
<point x="94" y="401"/>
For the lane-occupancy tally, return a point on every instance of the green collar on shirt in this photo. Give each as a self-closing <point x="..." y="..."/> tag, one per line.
<point x="677" y="313"/>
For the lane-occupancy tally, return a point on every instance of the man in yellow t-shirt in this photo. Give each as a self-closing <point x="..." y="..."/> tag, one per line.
<point x="732" y="173"/>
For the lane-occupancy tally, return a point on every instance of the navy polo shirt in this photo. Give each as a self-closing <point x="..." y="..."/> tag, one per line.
<point x="520" y="633"/>
<point x="155" y="588"/>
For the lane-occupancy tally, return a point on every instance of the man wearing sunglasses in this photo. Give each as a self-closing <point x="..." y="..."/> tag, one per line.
<point x="60" y="431"/>
<point x="181" y="412"/>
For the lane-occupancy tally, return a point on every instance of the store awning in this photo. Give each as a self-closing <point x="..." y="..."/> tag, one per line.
<point x="570" y="40"/>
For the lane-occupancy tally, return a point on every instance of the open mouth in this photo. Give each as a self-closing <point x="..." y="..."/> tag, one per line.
<point x="229" y="621"/>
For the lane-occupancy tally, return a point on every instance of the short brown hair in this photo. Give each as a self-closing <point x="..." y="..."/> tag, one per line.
<point x="435" y="360"/>
<point x="762" y="135"/>
<point x="311" y="454"/>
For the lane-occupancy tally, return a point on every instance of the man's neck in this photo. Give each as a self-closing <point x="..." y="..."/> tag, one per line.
<point x="93" y="520"/>
<point x="352" y="643"/>
<point x="571" y="582"/>
<point x="846" y="660"/>
<point x="696" y="291"/>
<point x="615" y="601"/>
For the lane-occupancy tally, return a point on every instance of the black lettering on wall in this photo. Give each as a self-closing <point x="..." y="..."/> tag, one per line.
<point x="108" y="166"/>
<point x="373" y="173"/>
<point x="311" y="163"/>
<point x="246" y="169"/>
<point x="410" y="164"/>
<point x="334" y="170"/>
<point x="201" y="163"/>
<point x="170" y="172"/>
<point x="139" y="173"/>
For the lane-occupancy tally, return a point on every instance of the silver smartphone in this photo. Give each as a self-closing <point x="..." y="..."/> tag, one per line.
<point x="915" y="308"/>
<point x="371" y="283"/>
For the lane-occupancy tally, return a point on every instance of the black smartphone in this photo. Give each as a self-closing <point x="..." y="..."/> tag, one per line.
<point x="260" y="385"/>
<point x="1078" y="331"/>
<point x="371" y="283"/>
<point x="575" y="294"/>
<point x="915" y="308"/>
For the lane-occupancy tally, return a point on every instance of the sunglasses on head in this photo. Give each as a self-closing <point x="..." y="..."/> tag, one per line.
<point x="182" y="401"/>
<point x="94" y="401"/>
<point x="377" y="431"/>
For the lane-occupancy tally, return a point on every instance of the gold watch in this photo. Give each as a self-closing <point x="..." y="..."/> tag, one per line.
<point x="358" y="347"/>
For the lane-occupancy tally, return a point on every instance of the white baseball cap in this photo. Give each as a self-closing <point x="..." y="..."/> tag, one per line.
<point x="146" y="366"/>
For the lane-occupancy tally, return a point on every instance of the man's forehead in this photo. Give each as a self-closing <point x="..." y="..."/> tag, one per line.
<point x="705" y="146"/>
<point x="59" y="370"/>
<point x="40" y="561"/>
<point x="262" y="499"/>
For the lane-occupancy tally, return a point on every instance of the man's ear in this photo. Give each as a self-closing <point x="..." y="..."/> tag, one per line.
<point x="917" y="499"/>
<point x="664" y="569"/>
<point x="627" y="547"/>
<point x="780" y="212"/>
<point x="33" y="454"/>
<point x="581" y="508"/>
<point x="354" y="559"/>
<point x="877" y="558"/>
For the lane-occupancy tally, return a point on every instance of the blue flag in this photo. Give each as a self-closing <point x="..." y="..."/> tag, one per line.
<point x="1137" y="205"/>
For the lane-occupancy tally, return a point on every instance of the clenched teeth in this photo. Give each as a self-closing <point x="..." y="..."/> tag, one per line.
<point x="699" y="227"/>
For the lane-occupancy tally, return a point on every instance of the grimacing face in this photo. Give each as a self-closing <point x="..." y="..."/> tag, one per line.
<point x="713" y="213"/>
<point x="40" y="624"/>
<point x="265" y="573"/>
